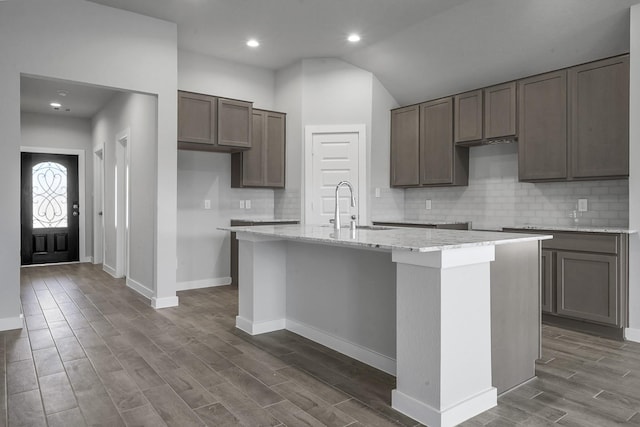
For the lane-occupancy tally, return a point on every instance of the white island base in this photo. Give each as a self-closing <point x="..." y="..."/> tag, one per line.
<point x="430" y="311"/>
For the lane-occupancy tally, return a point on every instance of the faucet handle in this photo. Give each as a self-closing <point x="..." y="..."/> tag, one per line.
<point x="332" y="221"/>
<point x="353" y="217"/>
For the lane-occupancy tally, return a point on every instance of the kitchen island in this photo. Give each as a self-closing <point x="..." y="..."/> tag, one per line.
<point x="415" y="303"/>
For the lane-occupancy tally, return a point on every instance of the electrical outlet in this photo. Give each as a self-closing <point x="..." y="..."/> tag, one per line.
<point x="582" y="205"/>
<point x="207" y="204"/>
<point x="427" y="205"/>
<point x="247" y="204"/>
<point x="241" y="204"/>
<point x="377" y="192"/>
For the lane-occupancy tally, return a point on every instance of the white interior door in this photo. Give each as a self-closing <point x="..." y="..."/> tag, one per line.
<point x="334" y="154"/>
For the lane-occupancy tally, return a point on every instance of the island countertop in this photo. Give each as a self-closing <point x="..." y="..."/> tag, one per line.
<point x="388" y="238"/>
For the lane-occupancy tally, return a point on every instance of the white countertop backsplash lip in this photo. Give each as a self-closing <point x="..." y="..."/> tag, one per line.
<point x="411" y="239"/>
<point x="264" y="219"/>
<point x="420" y="221"/>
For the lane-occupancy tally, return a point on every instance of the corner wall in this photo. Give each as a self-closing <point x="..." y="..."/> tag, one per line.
<point x="633" y="333"/>
<point x="97" y="45"/>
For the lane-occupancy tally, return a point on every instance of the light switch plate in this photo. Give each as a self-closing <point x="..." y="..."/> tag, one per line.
<point x="247" y="204"/>
<point x="207" y="204"/>
<point x="427" y="204"/>
<point x="582" y="205"/>
<point x="377" y="192"/>
<point x="241" y="204"/>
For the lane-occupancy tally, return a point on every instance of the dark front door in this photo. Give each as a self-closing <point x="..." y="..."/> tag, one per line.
<point x="49" y="208"/>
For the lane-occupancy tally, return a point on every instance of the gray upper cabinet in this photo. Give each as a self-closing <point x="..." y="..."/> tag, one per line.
<point x="542" y="127"/>
<point x="468" y="122"/>
<point x="264" y="164"/>
<point x="234" y="123"/>
<point x="599" y="94"/>
<point x="441" y="163"/>
<point x="209" y="123"/>
<point x="197" y="118"/>
<point x="500" y="111"/>
<point x="405" y="146"/>
<point x="422" y="147"/>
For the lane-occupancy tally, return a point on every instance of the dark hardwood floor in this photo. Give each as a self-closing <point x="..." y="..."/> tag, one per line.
<point x="95" y="353"/>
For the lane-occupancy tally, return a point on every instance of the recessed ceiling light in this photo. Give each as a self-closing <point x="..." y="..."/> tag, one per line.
<point x="62" y="93"/>
<point x="56" y="105"/>
<point x="253" y="43"/>
<point x="353" y="38"/>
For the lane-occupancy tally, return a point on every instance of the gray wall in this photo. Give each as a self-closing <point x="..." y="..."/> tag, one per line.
<point x="138" y="113"/>
<point x="495" y="198"/>
<point x="99" y="45"/>
<point x="203" y="251"/>
<point x="49" y="131"/>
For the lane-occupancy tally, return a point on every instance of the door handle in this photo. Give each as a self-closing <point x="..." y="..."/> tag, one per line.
<point x="75" y="206"/>
<point x="75" y="213"/>
<point x="100" y="213"/>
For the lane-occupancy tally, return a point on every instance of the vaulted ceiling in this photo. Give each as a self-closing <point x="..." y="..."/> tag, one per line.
<point x="418" y="49"/>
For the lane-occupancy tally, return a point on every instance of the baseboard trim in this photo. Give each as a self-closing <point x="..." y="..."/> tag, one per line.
<point x="165" y="302"/>
<point x="355" y="351"/>
<point x="109" y="270"/>
<point x="252" y="328"/>
<point x="448" y="417"/>
<point x="87" y="259"/>
<point x="139" y="288"/>
<point x="11" y="323"/>
<point x="632" y="334"/>
<point x="204" y="283"/>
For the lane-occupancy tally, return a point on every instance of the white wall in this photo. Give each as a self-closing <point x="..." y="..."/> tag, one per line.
<point x="330" y="92"/>
<point x="49" y="131"/>
<point x="136" y="113"/>
<point x="634" y="178"/>
<point x="203" y="252"/>
<point x="89" y="43"/>
<point x="213" y="76"/>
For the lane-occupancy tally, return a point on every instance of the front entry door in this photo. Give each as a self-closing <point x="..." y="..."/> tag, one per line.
<point x="49" y="208"/>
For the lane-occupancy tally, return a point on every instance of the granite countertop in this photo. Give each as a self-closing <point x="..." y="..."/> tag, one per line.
<point x="419" y="222"/>
<point x="265" y="219"/>
<point x="388" y="238"/>
<point x="580" y="228"/>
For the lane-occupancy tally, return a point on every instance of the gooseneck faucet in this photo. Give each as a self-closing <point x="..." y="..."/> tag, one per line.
<point x="336" y="219"/>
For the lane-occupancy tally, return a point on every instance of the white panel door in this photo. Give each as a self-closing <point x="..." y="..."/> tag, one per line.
<point x="334" y="159"/>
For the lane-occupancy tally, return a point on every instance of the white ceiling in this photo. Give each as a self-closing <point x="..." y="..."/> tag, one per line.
<point x="419" y="49"/>
<point x="84" y="101"/>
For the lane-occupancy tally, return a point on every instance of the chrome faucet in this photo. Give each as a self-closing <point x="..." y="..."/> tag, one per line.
<point x="336" y="219"/>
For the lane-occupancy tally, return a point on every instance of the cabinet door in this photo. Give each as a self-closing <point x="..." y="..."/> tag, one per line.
<point x="436" y="142"/>
<point x="275" y="149"/>
<point x="234" y="123"/>
<point x="196" y="118"/>
<point x="500" y="111"/>
<point x="542" y="127"/>
<point x="599" y="94"/>
<point x="546" y="278"/>
<point x="468" y="117"/>
<point x="253" y="159"/>
<point x="586" y="286"/>
<point x="405" y="146"/>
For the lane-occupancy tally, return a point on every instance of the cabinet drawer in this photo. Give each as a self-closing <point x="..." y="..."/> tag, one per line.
<point x="573" y="241"/>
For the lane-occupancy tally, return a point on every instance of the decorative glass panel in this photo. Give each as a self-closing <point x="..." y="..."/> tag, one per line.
<point x="49" y="183"/>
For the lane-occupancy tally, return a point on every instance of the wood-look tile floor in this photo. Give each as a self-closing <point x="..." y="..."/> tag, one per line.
<point x="94" y="353"/>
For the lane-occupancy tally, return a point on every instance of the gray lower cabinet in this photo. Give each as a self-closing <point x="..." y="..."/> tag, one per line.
<point x="584" y="280"/>
<point x="234" y="241"/>
<point x="547" y="259"/>
<point x="587" y="286"/>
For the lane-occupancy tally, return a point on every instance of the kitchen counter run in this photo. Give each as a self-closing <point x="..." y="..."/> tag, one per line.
<point x="389" y="238"/>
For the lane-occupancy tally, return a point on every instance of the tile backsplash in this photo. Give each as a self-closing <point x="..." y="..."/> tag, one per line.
<point x="495" y="198"/>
